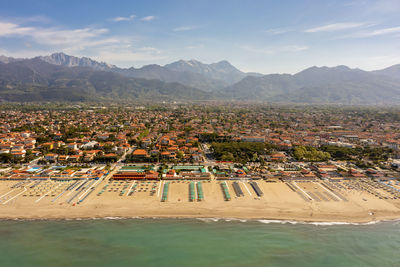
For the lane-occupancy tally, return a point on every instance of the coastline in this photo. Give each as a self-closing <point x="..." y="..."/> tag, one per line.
<point x="322" y="219"/>
<point x="209" y="220"/>
<point x="278" y="203"/>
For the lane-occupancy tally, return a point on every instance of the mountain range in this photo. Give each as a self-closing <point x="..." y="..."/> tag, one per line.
<point x="207" y="77"/>
<point x="337" y="85"/>
<point x="59" y="77"/>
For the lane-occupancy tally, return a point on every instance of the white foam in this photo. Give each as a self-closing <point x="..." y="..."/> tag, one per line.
<point x="235" y="220"/>
<point x="278" y="221"/>
<point x="113" y="218"/>
<point x="209" y="219"/>
<point x="316" y="223"/>
<point x="292" y="222"/>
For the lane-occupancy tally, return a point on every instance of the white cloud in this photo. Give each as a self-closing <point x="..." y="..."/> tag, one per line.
<point x="294" y="48"/>
<point x="183" y="28"/>
<point x="190" y="47"/>
<point x="394" y="31"/>
<point x="275" y="50"/>
<point x="277" y="31"/>
<point x="27" y="19"/>
<point x="39" y="19"/>
<point x="375" y="62"/>
<point x="72" y="41"/>
<point x="265" y="51"/>
<point x="83" y="37"/>
<point x="9" y="28"/>
<point x="97" y="43"/>
<point x="118" y="19"/>
<point x="380" y="32"/>
<point x="128" y="57"/>
<point x="25" y="53"/>
<point x="150" y="49"/>
<point x="148" y="18"/>
<point x="336" y="27"/>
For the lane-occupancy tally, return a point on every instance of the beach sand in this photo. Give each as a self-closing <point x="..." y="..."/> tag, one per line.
<point x="278" y="202"/>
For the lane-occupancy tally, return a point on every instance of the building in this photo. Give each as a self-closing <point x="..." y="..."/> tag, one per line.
<point x="248" y="138"/>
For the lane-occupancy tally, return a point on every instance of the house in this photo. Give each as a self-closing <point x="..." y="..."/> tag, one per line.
<point x="51" y="157"/>
<point x="74" y="158"/>
<point x="140" y="153"/>
<point x="73" y="146"/>
<point x="18" y="153"/>
<point x="145" y="142"/>
<point x="90" y="145"/>
<point x="167" y="155"/>
<point x="103" y="136"/>
<point x="355" y="174"/>
<point x="278" y="157"/>
<point x="48" y="145"/>
<point x="196" y="156"/>
<point x="4" y="151"/>
<point x="252" y="139"/>
<point x="63" y="158"/>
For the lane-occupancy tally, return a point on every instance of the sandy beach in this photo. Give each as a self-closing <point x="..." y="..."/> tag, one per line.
<point x="278" y="202"/>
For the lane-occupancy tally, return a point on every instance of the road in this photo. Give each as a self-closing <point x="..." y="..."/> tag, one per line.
<point x="124" y="155"/>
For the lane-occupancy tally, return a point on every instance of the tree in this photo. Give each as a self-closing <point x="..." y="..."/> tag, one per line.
<point x="6" y="158"/>
<point x="308" y="153"/>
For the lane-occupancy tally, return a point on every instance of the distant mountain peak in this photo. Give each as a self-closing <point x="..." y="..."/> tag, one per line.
<point x="222" y="70"/>
<point x="223" y="62"/>
<point x="316" y="69"/>
<point x="5" y="59"/>
<point x="62" y="59"/>
<point x="392" y="71"/>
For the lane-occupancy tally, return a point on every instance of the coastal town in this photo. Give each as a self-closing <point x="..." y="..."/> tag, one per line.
<point x="207" y="159"/>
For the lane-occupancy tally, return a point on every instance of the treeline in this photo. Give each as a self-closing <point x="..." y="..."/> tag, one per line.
<point x="238" y="151"/>
<point x="346" y="153"/>
<point x="307" y="153"/>
<point x="326" y="152"/>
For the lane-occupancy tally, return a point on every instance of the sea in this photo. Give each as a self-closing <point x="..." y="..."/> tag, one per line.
<point x="197" y="242"/>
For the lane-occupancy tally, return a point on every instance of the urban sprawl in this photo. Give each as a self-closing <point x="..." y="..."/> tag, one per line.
<point x="200" y="159"/>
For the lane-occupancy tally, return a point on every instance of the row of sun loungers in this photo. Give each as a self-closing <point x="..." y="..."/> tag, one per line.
<point x="237" y="189"/>
<point x="225" y="191"/>
<point x="257" y="189"/>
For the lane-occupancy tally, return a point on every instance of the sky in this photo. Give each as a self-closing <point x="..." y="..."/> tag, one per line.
<point x="260" y="36"/>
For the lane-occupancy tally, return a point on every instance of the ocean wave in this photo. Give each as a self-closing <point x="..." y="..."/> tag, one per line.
<point x="316" y="223"/>
<point x="235" y="220"/>
<point x="292" y="222"/>
<point x="115" y="218"/>
<point x="278" y="221"/>
<point x="208" y="220"/>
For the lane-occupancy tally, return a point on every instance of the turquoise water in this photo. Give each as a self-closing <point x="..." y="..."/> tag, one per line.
<point x="169" y="242"/>
<point x="33" y="169"/>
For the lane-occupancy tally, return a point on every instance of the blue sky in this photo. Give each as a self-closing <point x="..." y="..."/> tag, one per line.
<point x="263" y="36"/>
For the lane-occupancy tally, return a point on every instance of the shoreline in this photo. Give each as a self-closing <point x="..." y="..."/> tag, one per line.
<point x="278" y="203"/>
<point x="205" y="218"/>
<point x="210" y="220"/>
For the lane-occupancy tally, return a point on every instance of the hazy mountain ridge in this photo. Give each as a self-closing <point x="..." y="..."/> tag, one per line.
<point x="4" y="59"/>
<point x="222" y="70"/>
<point x="392" y="71"/>
<point x="61" y="76"/>
<point x="320" y="85"/>
<point x="207" y="77"/>
<point x="62" y="59"/>
<point x="160" y="73"/>
<point x="36" y="80"/>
